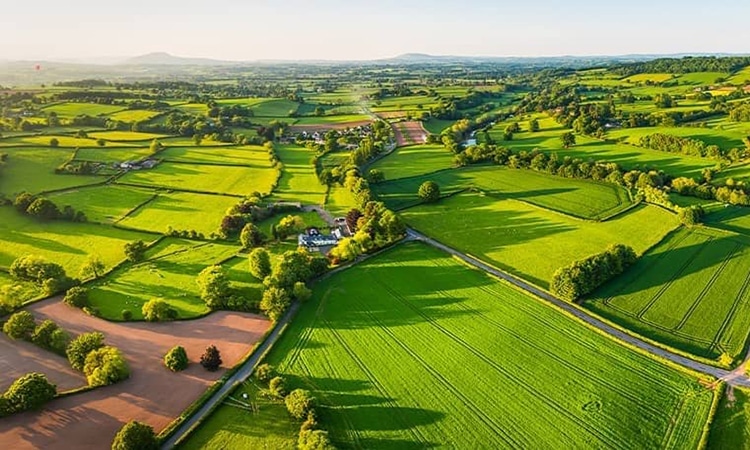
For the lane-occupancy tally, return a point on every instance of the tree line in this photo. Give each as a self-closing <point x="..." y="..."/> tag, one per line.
<point x="582" y="277"/>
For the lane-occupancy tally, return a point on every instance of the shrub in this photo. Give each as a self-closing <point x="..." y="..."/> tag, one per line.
<point x="274" y="302"/>
<point x="43" y="209"/>
<point x="211" y="359"/>
<point x="265" y="372"/>
<point x="20" y="325"/>
<point x="135" y="436"/>
<point x="156" y="310"/>
<point x="135" y="251"/>
<point x="299" y="403"/>
<point x="301" y="292"/>
<point x="277" y="387"/>
<point x="6" y="408"/>
<point x="314" y="440"/>
<point x="105" y="366"/>
<point x="251" y="236"/>
<point x="31" y="391"/>
<point x="77" y="296"/>
<point x="81" y="346"/>
<point x="127" y="314"/>
<point x="429" y="192"/>
<point x="260" y="263"/>
<point x="49" y="335"/>
<point x="176" y="359"/>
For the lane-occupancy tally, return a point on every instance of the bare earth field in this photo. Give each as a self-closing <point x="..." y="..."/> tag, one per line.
<point x="153" y="394"/>
<point x="409" y="133"/>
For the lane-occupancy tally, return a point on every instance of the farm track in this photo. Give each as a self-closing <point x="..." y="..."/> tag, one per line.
<point x="733" y="378"/>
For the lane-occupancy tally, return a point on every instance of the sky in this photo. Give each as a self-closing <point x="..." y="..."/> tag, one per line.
<point x="361" y="30"/>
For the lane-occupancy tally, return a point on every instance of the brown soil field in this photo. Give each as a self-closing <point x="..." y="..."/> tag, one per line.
<point x="152" y="394"/>
<point x="409" y="133"/>
<point x="18" y="358"/>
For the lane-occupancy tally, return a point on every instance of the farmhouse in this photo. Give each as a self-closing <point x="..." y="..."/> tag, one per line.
<point x="312" y="239"/>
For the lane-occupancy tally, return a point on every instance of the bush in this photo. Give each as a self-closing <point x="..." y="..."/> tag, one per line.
<point x="211" y="359"/>
<point x="6" y="408"/>
<point x="265" y="372"/>
<point x="176" y="359"/>
<point x="301" y="292"/>
<point x="277" y="386"/>
<point x="429" y="192"/>
<point x="77" y="296"/>
<point x="105" y="366"/>
<point x="251" y="236"/>
<point x="135" y="251"/>
<point x="43" y="209"/>
<point x="135" y="436"/>
<point x="314" y="440"/>
<point x="582" y="277"/>
<point x="49" y="335"/>
<point x="36" y="269"/>
<point x="20" y="325"/>
<point x="274" y="302"/>
<point x="127" y="314"/>
<point x="260" y="263"/>
<point x="690" y="216"/>
<point x="31" y="391"/>
<point x="299" y="403"/>
<point x="156" y="310"/>
<point x="81" y="346"/>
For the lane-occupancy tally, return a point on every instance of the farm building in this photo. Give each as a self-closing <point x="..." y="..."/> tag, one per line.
<point x="312" y="239"/>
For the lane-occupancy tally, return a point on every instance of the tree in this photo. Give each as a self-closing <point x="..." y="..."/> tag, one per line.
<point x="80" y="347"/>
<point x="156" y="310"/>
<point x="101" y="142"/>
<point x="352" y="217"/>
<point x="277" y="387"/>
<point x="534" y="125"/>
<point x="301" y="292"/>
<point x="345" y="250"/>
<point x="375" y="176"/>
<point x="214" y="286"/>
<point x="429" y="192"/>
<point x="135" y="436"/>
<point x="135" y="251"/>
<point x="260" y="263"/>
<point x="568" y="139"/>
<point x="290" y="225"/>
<point x="274" y="302"/>
<point x="176" y="359"/>
<point x="31" y="391"/>
<point x="54" y="143"/>
<point x="211" y="359"/>
<point x="20" y="325"/>
<point x="93" y="267"/>
<point x="251" y="236"/>
<point x="265" y="372"/>
<point x="23" y="201"/>
<point x="105" y="366"/>
<point x="43" y="209"/>
<point x="49" y="335"/>
<point x="690" y="216"/>
<point x="314" y="440"/>
<point x="77" y="296"/>
<point x="299" y="403"/>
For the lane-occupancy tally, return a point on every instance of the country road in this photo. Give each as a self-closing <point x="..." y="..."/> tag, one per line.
<point x="734" y="378"/>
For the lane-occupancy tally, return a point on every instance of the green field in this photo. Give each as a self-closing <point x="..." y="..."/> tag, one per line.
<point x="233" y="180"/>
<point x="103" y="204"/>
<point x="168" y="274"/>
<point x="274" y="108"/>
<point x="410" y="365"/>
<point x="298" y="182"/>
<point x="580" y="198"/>
<point x="112" y="154"/>
<point x="70" y="110"/>
<point x="65" y="243"/>
<point x="436" y="126"/>
<point x="338" y="119"/>
<point x="134" y="115"/>
<point x="731" y="426"/>
<point x="690" y="292"/>
<point x="340" y="201"/>
<point x="63" y="141"/>
<point x="247" y="155"/>
<point x="724" y="139"/>
<point x="529" y="241"/>
<point x="33" y="170"/>
<point x="125" y="136"/>
<point x="181" y="211"/>
<point x="414" y="160"/>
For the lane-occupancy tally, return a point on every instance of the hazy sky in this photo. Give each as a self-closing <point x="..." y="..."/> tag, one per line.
<point x="338" y="29"/>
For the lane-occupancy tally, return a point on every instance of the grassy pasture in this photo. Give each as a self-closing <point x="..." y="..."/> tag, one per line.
<point x="205" y="178"/>
<point x="298" y="182"/>
<point x="274" y="108"/>
<point x="729" y="217"/>
<point x="125" y="136"/>
<point x="644" y="77"/>
<point x="70" y="110"/>
<point x="328" y="120"/>
<point x="725" y="139"/>
<point x="340" y="201"/>
<point x="247" y="155"/>
<point x="169" y="274"/>
<point x="731" y="426"/>
<point x="409" y="103"/>
<point x="200" y="109"/>
<point x="414" y="160"/>
<point x="740" y="78"/>
<point x="63" y="141"/>
<point x="409" y="365"/>
<point x="183" y="141"/>
<point x="33" y="170"/>
<point x="112" y="154"/>
<point x="701" y="78"/>
<point x="65" y="243"/>
<point x="689" y="292"/>
<point x="579" y="198"/>
<point x="529" y="241"/>
<point x="436" y="126"/>
<point x="103" y="204"/>
<point x="181" y="211"/>
<point x="134" y="115"/>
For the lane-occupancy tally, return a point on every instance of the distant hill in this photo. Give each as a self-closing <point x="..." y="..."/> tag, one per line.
<point x="165" y="59"/>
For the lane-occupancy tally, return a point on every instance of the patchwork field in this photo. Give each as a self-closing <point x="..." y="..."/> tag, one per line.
<point x="248" y="155"/>
<point x="232" y="180"/>
<point x="690" y="291"/>
<point x="103" y="204"/>
<point x="731" y="425"/>
<point x="112" y="154"/>
<point x="181" y="211"/>
<point x="513" y="235"/>
<point x="298" y="182"/>
<point x="70" y="110"/>
<point x="33" y="170"/>
<point x="125" y="136"/>
<point x="169" y="274"/>
<point x="134" y="115"/>
<point x="63" y="141"/>
<point x="409" y="365"/>
<point x="580" y="198"/>
<point x="414" y="160"/>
